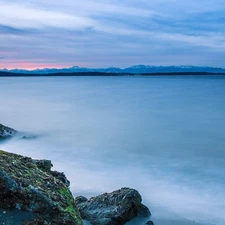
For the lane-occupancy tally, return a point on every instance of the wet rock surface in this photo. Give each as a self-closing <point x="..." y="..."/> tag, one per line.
<point x="114" y="208"/>
<point x="15" y="216"/>
<point x="30" y="193"/>
<point x="6" y="132"/>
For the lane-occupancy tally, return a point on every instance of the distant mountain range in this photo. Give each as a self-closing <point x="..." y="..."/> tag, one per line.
<point x="138" y="69"/>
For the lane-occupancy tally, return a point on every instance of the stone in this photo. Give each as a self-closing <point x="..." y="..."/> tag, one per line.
<point x="114" y="208"/>
<point x="80" y="199"/>
<point x="149" y="223"/>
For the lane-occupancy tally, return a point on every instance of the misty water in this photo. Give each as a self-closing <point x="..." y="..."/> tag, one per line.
<point x="164" y="136"/>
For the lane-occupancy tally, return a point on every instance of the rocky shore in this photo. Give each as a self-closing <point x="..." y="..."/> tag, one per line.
<point x="32" y="194"/>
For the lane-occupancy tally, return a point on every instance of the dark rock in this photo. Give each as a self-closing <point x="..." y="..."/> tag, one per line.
<point x="143" y="211"/>
<point x="60" y="176"/>
<point x="15" y="217"/>
<point x="44" y="165"/>
<point x="6" y="132"/>
<point x="28" y="188"/>
<point x="114" y="208"/>
<point x="80" y="199"/>
<point x="149" y="223"/>
<point x="29" y="137"/>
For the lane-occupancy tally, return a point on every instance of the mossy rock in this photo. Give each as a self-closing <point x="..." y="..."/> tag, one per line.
<point x="28" y="185"/>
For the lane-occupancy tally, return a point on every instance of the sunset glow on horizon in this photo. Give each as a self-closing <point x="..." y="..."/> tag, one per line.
<point x="32" y="66"/>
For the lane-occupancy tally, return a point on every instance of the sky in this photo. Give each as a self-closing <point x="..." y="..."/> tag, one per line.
<point x="120" y="33"/>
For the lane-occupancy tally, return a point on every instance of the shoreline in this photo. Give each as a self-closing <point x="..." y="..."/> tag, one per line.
<point x="203" y="73"/>
<point x="160" y="216"/>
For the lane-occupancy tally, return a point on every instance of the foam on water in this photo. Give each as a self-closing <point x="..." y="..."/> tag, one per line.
<point x="163" y="136"/>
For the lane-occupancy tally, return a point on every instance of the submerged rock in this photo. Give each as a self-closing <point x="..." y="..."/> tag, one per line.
<point x="6" y="132"/>
<point x="114" y="208"/>
<point x="29" y="137"/>
<point x="33" y="194"/>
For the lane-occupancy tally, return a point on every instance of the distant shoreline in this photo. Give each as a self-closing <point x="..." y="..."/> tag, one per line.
<point x="10" y="74"/>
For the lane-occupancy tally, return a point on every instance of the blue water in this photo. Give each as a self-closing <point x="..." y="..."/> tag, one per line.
<point x="164" y="136"/>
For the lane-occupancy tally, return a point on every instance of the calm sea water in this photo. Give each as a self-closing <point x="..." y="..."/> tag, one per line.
<point x="164" y="136"/>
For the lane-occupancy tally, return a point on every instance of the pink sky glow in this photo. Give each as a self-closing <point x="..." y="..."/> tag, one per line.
<point x="31" y="65"/>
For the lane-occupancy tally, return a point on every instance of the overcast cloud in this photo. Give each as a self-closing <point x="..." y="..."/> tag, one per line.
<point x="38" y="33"/>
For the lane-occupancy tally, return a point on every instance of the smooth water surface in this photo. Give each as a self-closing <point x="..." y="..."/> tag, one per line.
<point x="164" y="136"/>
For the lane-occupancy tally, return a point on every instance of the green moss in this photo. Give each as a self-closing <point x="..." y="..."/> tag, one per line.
<point x="70" y="208"/>
<point x="66" y="193"/>
<point x="40" y="184"/>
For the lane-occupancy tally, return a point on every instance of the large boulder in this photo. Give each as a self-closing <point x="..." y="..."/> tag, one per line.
<point x="32" y="194"/>
<point x="114" y="208"/>
<point x="6" y="132"/>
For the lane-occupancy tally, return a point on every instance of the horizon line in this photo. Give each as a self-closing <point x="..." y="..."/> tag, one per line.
<point x="96" y="68"/>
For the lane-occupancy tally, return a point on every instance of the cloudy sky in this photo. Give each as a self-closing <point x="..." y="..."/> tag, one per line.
<point x="103" y="33"/>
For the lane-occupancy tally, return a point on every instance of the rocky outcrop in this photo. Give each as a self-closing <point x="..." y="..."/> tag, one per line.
<point x="32" y="194"/>
<point x="114" y="208"/>
<point x="6" y="132"/>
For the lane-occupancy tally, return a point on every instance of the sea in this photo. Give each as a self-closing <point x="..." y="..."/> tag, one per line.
<point x="162" y="135"/>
